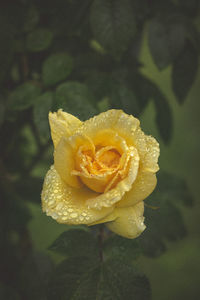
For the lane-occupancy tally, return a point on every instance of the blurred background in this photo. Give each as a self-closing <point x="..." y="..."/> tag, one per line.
<point x="87" y="57"/>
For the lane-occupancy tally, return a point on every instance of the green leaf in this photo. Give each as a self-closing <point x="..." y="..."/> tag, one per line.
<point x="24" y="96"/>
<point x="43" y="104"/>
<point x="125" y="282"/>
<point x="162" y="215"/>
<point x="145" y="90"/>
<point x="80" y="278"/>
<point x="118" y="247"/>
<point x="75" y="278"/>
<point x="113" y="24"/>
<point x="76" y="242"/>
<point x="39" y="39"/>
<point x="121" y="97"/>
<point x="99" y="83"/>
<point x="184" y="71"/>
<point x="166" y="40"/>
<point x="56" y="68"/>
<point x="164" y="119"/>
<point x="75" y="98"/>
<point x="31" y="18"/>
<point x="174" y="187"/>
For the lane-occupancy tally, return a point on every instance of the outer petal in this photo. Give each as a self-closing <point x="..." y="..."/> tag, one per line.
<point x="125" y="125"/>
<point x="142" y="187"/>
<point x="127" y="222"/>
<point x="67" y="204"/>
<point x="64" y="157"/>
<point x="62" y="124"/>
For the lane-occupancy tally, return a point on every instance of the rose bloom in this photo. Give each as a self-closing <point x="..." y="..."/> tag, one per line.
<point x="103" y="170"/>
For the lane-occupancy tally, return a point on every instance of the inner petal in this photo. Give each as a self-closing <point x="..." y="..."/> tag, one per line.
<point x="108" y="157"/>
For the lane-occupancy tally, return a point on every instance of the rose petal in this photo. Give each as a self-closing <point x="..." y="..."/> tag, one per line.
<point x="68" y="205"/>
<point x="114" y="195"/>
<point x="62" y="124"/>
<point x="116" y="120"/>
<point x="128" y="222"/>
<point x="65" y="154"/>
<point x="141" y="188"/>
<point x="148" y="149"/>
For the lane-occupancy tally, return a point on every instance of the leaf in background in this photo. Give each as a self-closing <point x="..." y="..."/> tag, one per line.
<point x="184" y="71"/>
<point x="165" y="221"/>
<point x="56" y="68"/>
<point x="124" y="281"/>
<point x="164" y="119"/>
<point x="75" y="278"/>
<point x="145" y="90"/>
<point x="76" y="242"/>
<point x="174" y="187"/>
<point x="31" y="18"/>
<point x="122" y="97"/>
<point x="99" y="84"/>
<point x="113" y="24"/>
<point x="42" y="106"/>
<point x="24" y="96"/>
<point x="39" y="39"/>
<point x="166" y="40"/>
<point x="81" y="278"/>
<point x="117" y="247"/>
<point x="75" y="98"/>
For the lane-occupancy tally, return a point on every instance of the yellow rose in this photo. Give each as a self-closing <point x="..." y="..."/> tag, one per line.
<point x="103" y="170"/>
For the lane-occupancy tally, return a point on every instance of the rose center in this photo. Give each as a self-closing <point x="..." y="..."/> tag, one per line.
<point x="110" y="158"/>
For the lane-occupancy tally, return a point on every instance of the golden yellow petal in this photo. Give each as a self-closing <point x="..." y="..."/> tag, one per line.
<point x="127" y="222"/>
<point x="67" y="205"/>
<point x="150" y="162"/>
<point x="62" y="124"/>
<point x="114" y="195"/>
<point x="148" y="149"/>
<point x="142" y="187"/>
<point x="65" y="157"/>
<point x="116" y="120"/>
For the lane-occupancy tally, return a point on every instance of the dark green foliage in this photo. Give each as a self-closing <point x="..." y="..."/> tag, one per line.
<point x="146" y="90"/>
<point x="24" y="96"/>
<point x="39" y="39"/>
<point x="83" y="278"/>
<point x="166" y="40"/>
<point x="43" y="104"/>
<point x="184" y="72"/>
<point x="119" y="248"/>
<point x="56" y="68"/>
<point x="162" y="215"/>
<point x="113" y="24"/>
<point x="75" y="98"/>
<point x="75" y="242"/>
<point x="122" y="97"/>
